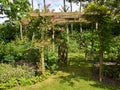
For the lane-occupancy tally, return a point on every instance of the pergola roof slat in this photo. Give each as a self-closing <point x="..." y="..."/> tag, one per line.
<point x="63" y="17"/>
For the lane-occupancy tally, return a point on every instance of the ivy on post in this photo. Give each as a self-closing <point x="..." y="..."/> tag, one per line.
<point x="100" y="14"/>
<point x="42" y="50"/>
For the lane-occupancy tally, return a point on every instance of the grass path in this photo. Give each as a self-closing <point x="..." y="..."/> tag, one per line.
<point x="74" y="77"/>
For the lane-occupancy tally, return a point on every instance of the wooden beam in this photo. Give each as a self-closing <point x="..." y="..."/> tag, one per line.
<point x="62" y="21"/>
<point x="57" y="14"/>
<point x="63" y="17"/>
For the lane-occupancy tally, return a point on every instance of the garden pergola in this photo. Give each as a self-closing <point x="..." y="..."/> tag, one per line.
<point x="63" y="17"/>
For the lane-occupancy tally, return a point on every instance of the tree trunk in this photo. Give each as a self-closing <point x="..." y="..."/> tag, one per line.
<point x="71" y="5"/>
<point x="64" y="5"/>
<point x="80" y="6"/>
<point x="80" y="12"/>
<point x="32" y="5"/>
<point x="44" y="6"/>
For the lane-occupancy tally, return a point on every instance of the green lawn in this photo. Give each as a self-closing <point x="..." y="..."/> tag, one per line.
<point x="77" y="76"/>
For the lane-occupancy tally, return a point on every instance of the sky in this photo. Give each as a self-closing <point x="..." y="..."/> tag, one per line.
<point x="55" y="4"/>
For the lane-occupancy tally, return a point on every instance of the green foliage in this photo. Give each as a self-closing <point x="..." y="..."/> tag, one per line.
<point x="73" y="46"/>
<point x="111" y="71"/>
<point x="51" y="60"/>
<point x="12" y="8"/>
<point x="9" y="72"/>
<point x="96" y="8"/>
<point x="116" y="25"/>
<point x="18" y="50"/>
<point x="32" y="54"/>
<point x="9" y="58"/>
<point x="85" y="39"/>
<point x="11" y="76"/>
<point x="13" y="51"/>
<point x="8" y="31"/>
<point x="105" y="31"/>
<point x="114" y="51"/>
<point x="2" y="49"/>
<point x="96" y="13"/>
<point x="36" y="26"/>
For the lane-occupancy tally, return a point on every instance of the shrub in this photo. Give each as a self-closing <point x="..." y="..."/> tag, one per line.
<point x="13" y="51"/>
<point x="9" y="58"/>
<point x="9" y="72"/>
<point x="24" y="76"/>
<point x="18" y="50"/>
<point x="51" y="60"/>
<point x="111" y="71"/>
<point x="32" y="54"/>
<point x="2" y="45"/>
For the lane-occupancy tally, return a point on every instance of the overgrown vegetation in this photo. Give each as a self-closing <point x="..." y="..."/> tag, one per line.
<point x="33" y="48"/>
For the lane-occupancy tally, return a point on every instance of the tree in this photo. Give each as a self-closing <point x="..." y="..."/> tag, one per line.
<point x="44" y="2"/>
<point x="114" y="6"/>
<point x="15" y="10"/>
<point x="64" y="8"/>
<point x="70" y="5"/>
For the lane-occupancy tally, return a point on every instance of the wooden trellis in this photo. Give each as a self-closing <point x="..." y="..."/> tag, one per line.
<point x="61" y="18"/>
<point x="62" y="53"/>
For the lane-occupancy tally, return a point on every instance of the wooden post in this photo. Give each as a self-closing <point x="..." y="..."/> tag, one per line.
<point x="43" y="43"/>
<point x="33" y="37"/>
<point x="80" y="6"/>
<point x="101" y="66"/>
<point x="64" y="5"/>
<point x="96" y="24"/>
<point x="71" y="5"/>
<point x="42" y="51"/>
<point x="92" y="46"/>
<point x="100" y="53"/>
<point x="53" y="37"/>
<point x="21" y="33"/>
<point x="67" y="33"/>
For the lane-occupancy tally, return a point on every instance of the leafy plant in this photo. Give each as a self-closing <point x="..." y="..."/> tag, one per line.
<point x="32" y="55"/>
<point x="9" y="72"/>
<point x="11" y="76"/>
<point x="51" y="61"/>
<point x="9" y="58"/>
